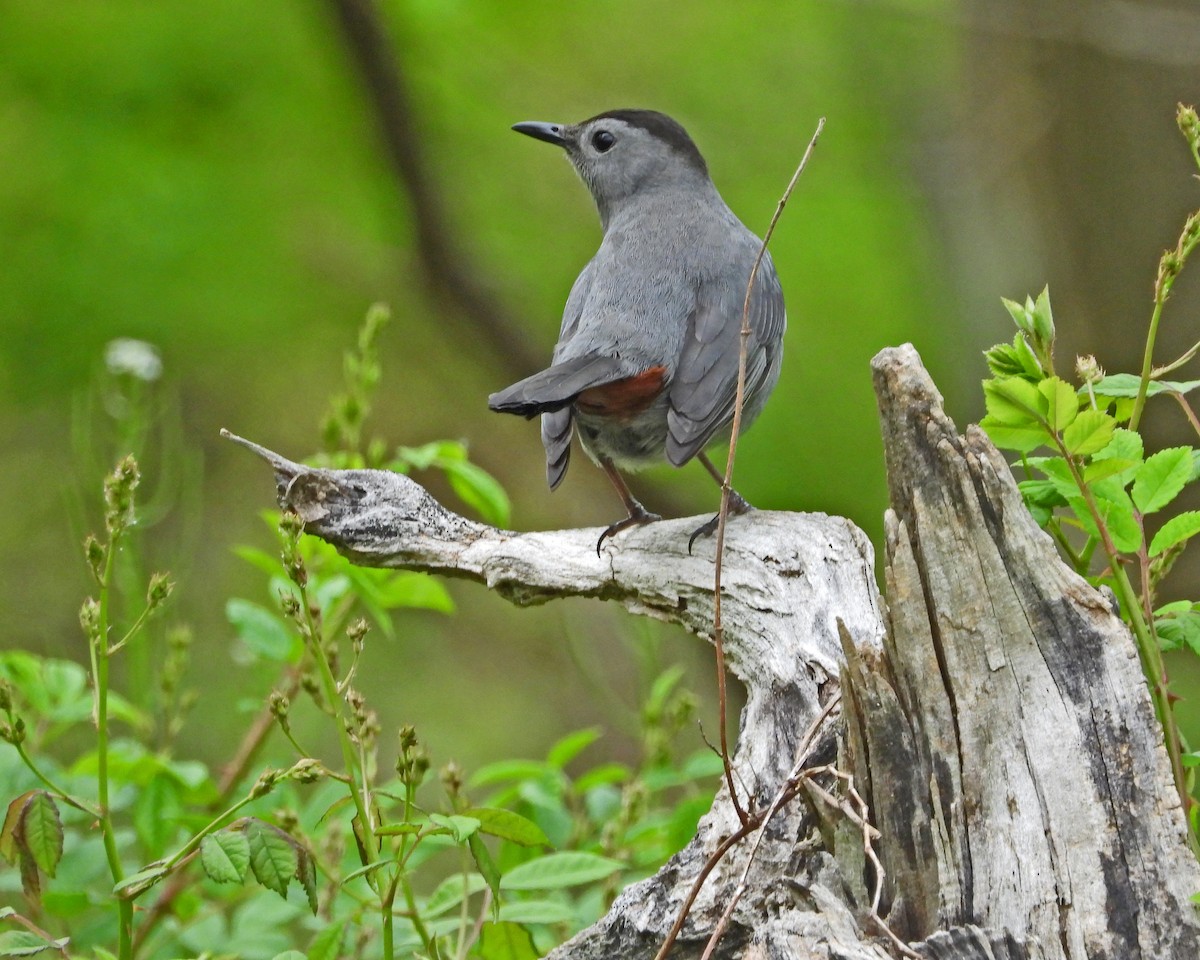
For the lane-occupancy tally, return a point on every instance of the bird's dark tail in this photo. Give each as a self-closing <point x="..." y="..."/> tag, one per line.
<point x="556" y="387"/>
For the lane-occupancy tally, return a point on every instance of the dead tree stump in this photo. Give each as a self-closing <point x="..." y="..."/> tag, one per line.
<point x="994" y="716"/>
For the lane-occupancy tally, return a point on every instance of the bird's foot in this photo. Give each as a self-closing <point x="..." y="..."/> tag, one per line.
<point x="737" y="506"/>
<point x="638" y="516"/>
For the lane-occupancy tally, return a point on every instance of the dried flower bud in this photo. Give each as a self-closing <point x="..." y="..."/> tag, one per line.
<point x="89" y="618"/>
<point x="308" y="770"/>
<point x="1088" y="369"/>
<point x="96" y="555"/>
<point x="159" y="589"/>
<point x="265" y="783"/>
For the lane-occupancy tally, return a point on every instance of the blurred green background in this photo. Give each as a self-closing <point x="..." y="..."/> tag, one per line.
<point x="214" y="177"/>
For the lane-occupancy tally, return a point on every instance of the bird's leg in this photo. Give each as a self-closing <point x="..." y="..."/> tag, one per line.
<point x="637" y="513"/>
<point x="737" y="503"/>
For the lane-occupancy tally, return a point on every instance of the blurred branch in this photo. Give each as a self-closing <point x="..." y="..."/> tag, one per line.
<point x="447" y="268"/>
<point x="1137" y="31"/>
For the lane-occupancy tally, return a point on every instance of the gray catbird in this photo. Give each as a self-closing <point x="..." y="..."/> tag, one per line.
<point x="647" y="359"/>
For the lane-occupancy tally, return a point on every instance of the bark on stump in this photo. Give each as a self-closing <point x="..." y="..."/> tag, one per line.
<point x="994" y="717"/>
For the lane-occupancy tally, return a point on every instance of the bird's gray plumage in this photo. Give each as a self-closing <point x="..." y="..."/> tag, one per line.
<point x="665" y="290"/>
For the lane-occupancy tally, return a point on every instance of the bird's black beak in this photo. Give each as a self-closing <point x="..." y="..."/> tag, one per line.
<point x="550" y="132"/>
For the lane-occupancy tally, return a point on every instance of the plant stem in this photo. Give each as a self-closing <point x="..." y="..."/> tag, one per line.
<point x="1160" y="298"/>
<point x="99" y="651"/>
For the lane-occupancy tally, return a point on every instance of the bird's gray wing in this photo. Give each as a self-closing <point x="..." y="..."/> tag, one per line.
<point x="703" y="390"/>
<point x="558" y="427"/>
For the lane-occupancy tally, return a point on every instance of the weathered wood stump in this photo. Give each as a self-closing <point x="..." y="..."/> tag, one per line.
<point x="994" y="716"/>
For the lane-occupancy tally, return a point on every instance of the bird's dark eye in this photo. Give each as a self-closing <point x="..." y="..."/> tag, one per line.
<point x="602" y="140"/>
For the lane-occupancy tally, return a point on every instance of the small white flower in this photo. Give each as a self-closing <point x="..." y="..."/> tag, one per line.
<point x="137" y="358"/>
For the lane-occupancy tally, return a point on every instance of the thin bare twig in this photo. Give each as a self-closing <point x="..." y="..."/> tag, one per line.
<point x="726" y="486"/>
<point x="783" y="795"/>
<point x="803" y="751"/>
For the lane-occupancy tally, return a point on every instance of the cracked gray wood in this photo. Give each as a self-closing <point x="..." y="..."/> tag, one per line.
<point x="995" y="717"/>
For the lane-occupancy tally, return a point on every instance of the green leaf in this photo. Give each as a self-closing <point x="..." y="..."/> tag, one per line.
<point x="558" y="870"/>
<point x="570" y="746"/>
<point x="306" y="874"/>
<point x="505" y="941"/>
<point x="40" y="831"/>
<point x="1043" y="319"/>
<point x="23" y="943"/>
<point x="1099" y="470"/>
<point x="290" y="955"/>
<point x="266" y="562"/>
<point x="479" y="489"/>
<point x="272" y="856"/>
<point x="327" y="945"/>
<point x="1126" y="385"/>
<point x="486" y="865"/>
<point x="1041" y="493"/>
<point x="1021" y="315"/>
<point x="508" y="826"/>
<point x="537" y="911"/>
<point x="603" y="775"/>
<point x="1161" y="477"/>
<point x="1125" y="445"/>
<point x="138" y="883"/>
<point x="503" y="771"/>
<point x="1090" y="433"/>
<point x="156" y="811"/>
<point x="1174" y="531"/>
<point x="1116" y="513"/>
<point x="1061" y="402"/>
<point x="263" y="632"/>
<point x="1013" y="401"/>
<point x="1006" y="437"/>
<point x="460" y="827"/>
<point x="451" y="892"/>
<point x="1180" y="629"/>
<point x="225" y="856"/>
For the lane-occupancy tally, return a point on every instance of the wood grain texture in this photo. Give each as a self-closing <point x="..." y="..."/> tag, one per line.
<point x="993" y="716"/>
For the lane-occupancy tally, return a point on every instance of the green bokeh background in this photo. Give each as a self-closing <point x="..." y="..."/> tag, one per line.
<point x="209" y="177"/>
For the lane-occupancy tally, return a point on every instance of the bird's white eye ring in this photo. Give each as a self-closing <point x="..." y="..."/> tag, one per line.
<point x="603" y="141"/>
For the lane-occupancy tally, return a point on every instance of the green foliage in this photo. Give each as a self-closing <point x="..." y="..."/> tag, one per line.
<point x="371" y="848"/>
<point x="1098" y="493"/>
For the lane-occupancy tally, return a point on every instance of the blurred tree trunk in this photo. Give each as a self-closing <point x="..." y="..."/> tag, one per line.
<point x="993" y="721"/>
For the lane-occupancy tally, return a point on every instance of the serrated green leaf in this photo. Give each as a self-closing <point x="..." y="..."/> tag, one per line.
<point x="225" y="855"/>
<point x="1159" y="480"/>
<point x="1003" y="361"/>
<point x="1043" y="318"/>
<point x="1174" y="531"/>
<point x="23" y="943"/>
<point x="1041" y="493"/>
<point x="273" y="855"/>
<point x="1127" y="384"/>
<point x="558" y="870"/>
<point x="505" y="941"/>
<point x="570" y="746"/>
<point x="1020" y="315"/>
<point x="40" y="831"/>
<point x="156" y="811"/>
<point x="1117" y="516"/>
<point x="460" y="827"/>
<point x="263" y="632"/>
<point x="1179" y="630"/>
<point x="1061" y="403"/>
<point x="306" y="874"/>
<point x="1006" y="437"/>
<point x="508" y="826"/>
<point x="1014" y="402"/>
<point x="451" y="892"/>
<point x="1090" y="433"/>
<point x="1099" y="470"/>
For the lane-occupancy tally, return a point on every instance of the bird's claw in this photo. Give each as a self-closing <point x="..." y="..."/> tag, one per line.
<point x="636" y="518"/>
<point x="737" y="506"/>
